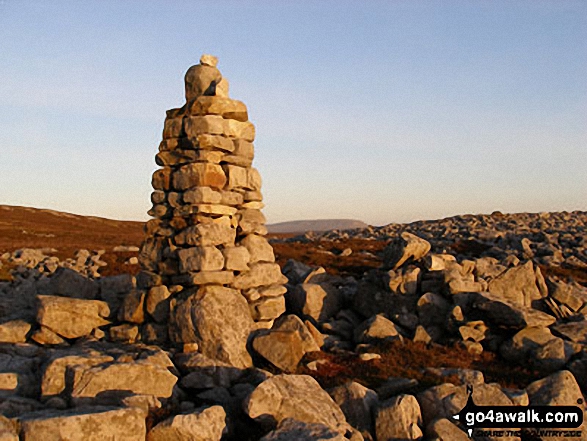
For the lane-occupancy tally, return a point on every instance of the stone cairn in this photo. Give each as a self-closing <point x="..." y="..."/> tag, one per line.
<point x="205" y="251"/>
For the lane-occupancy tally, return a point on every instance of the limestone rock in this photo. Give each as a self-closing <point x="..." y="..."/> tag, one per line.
<point x="14" y="331"/>
<point x="358" y="405"/>
<point x="199" y="175"/>
<point x="506" y="313"/>
<point x="201" y="79"/>
<point x="317" y="301"/>
<point x="201" y="372"/>
<point x="294" y="396"/>
<point x="259" y="249"/>
<point x="290" y="429"/>
<point x="69" y="283"/>
<point x="377" y="328"/>
<point x="218" y="319"/>
<point x="71" y="318"/>
<point x="132" y="309"/>
<point x="517" y="285"/>
<point x="404" y="248"/>
<point x="267" y="308"/>
<point x="285" y="344"/>
<point x="399" y="419"/>
<point x="93" y="424"/>
<point x="236" y="258"/>
<point x="558" y="389"/>
<point x="44" y="336"/>
<point x="206" y="424"/>
<point x="433" y="309"/>
<point x="573" y="331"/>
<point x="139" y="378"/>
<point x="260" y="274"/>
<point x="54" y="375"/>
<point x="124" y="333"/>
<point x="207" y="258"/>
<point x="157" y="304"/>
<point x="282" y="348"/>
<point x="114" y="288"/>
<point x="445" y="430"/>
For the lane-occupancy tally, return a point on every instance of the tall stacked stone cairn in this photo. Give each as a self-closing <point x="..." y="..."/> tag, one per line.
<point x="210" y="272"/>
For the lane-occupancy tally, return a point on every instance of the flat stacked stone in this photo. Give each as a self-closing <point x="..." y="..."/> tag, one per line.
<point x="207" y="227"/>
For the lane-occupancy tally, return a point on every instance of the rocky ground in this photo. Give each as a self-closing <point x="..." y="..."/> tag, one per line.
<point x="384" y="330"/>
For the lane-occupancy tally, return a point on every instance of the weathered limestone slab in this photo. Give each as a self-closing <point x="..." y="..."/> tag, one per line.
<point x="93" y="424"/>
<point x="294" y="396"/>
<point x="71" y="318"/>
<point x="206" y="424"/>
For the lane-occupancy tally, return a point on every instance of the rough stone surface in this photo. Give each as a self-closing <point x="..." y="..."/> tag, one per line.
<point x="137" y="378"/>
<point x="218" y="319"/>
<point x="292" y="430"/>
<point x="206" y="424"/>
<point x="294" y="396"/>
<point x="358" y="404"/>
<point x="405" y="248"/>
<point x="14" y="331"/>
<point x="71" y="318"/>
<point x="399" y="418"/>
<point x="93" y="424"/>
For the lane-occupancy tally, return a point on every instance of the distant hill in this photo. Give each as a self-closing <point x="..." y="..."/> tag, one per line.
<point x="301" y="226"/>
<point x="27" y="227"/>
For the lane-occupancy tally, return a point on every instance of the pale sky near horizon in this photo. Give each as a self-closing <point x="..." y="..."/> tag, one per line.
<point x="383" y="111"/>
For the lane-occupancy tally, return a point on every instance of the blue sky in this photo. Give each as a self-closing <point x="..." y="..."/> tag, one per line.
<point x="384" y="111"/>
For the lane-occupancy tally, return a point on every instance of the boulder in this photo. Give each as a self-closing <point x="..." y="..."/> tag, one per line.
<point x="517" y="285"/>
<point x="399" y="419"/>
<point x="71" y="318"/>
<point x="406" y="247"/>
<point x="446" y="400"/>
<point x="358" y="404"/>
<point x="294" y="396"/>
<point x="218" y="320"/>
<point x="201" y="372"/>
<point x="132" y="309"/>
<point x="433" y="309"/>
<point x="558" y="389"/>
<point x="286" y="344"/>
<point x="114" y="288"/>
<point x="445" y="430"/>
<point x="506" y="313"/>
<point x="205" y="424"/>
<point x="69" y="283"/>
<point x="139" y="378"/>
<point x="572" y="331"/>
<point x="54" y="374"/>
<point x="376" y="329"/>
<point x="92" y="424"/>
<point x="316" y="301"/>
